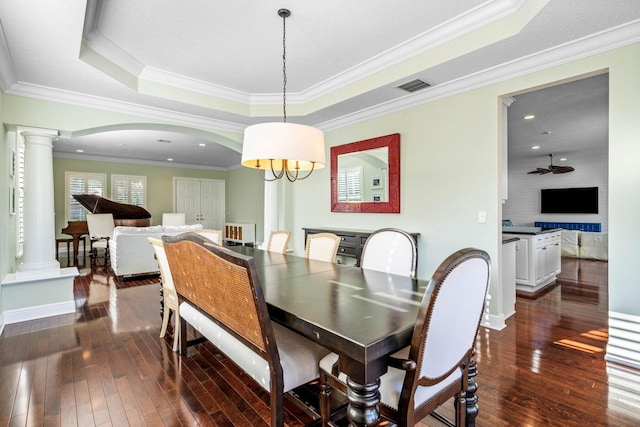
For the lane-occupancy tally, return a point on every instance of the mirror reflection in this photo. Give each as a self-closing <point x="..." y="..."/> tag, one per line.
<point x="363" y="176"/>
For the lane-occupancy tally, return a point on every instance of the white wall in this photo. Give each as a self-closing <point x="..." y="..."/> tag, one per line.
<point x="523" y="205"/>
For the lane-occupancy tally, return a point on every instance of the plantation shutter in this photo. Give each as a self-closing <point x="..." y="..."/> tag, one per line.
<point x="129" y="189"/>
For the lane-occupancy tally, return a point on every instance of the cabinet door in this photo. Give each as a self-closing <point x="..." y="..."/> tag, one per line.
<point x="553" y="259"/>
<point x="541" y="264"/>
<point x="522" y="260"/>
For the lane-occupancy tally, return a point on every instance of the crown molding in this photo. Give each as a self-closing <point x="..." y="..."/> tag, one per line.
<point x="587" y="46"/>
<point x="162" y="77"/>
<point x="29" y="90"/>
<point x="74" y="156"/>
<point x="472" y="20"/>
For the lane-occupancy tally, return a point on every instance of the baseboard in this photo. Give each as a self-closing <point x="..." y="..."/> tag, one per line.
<point x="38" y="312"/>
<point x="623" y="346"/>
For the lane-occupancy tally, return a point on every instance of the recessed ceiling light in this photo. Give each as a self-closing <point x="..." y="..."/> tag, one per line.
<point x="546" y="132"/>
<point x="170" y="159"/>
<point x="529" y="117"/>
<point x="535" y="147"/>
<point x="79" y="151"/>
<point x="202" y="144"/>
<point x="563" y="159"/>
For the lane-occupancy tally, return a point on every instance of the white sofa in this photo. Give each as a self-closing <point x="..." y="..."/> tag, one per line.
<point x="132" y="254"/>
<point x="585" y="244"/>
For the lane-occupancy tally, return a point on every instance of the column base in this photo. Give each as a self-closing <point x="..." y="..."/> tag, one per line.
<point x="38" y="269"/>
<point x="37" y="297"/>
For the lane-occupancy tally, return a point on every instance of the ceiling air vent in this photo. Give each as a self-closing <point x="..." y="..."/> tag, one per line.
<point x="414" y="85"/>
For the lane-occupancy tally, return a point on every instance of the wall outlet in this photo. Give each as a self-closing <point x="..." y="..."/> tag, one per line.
<point x="482" y="217"/>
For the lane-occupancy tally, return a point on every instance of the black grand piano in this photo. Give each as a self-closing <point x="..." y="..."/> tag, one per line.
<point x="123" y="214"/>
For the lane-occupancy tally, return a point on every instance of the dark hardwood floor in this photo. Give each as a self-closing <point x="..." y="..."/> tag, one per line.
<point x="106" y="366"/>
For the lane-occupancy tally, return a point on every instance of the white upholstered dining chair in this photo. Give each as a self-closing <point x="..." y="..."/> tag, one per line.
<point x="100" y="228"/>
<point x="169" y="294"/>
<point x="173" y="219"/>
<point x="322" y="246"/>
<point x="435" y="367"/>
<point x="214" y="235"/>
<point x="390" y="250"/>
<point x="278" y="241"/>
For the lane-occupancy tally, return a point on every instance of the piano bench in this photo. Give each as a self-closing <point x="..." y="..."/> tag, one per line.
<point x="68" y="241"/>
<point x="70" y="255"/>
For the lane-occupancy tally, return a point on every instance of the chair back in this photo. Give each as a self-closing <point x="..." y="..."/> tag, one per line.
<point x="392" y="251"/>
<point x="163" y="264"/>
<point x="448" y="320"/>
<point x="278" y="241"/>
<point x="100" y="226"/>
<point x="214" y="235"/>
<point x="224" y="285"/>
<point x="173" y="219"/>
<point x="322" y="246"/>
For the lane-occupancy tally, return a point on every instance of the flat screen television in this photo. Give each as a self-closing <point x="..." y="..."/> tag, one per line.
<point x="582" y="200"/>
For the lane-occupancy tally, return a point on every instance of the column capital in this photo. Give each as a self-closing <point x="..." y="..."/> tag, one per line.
<point x="37" y="132"/>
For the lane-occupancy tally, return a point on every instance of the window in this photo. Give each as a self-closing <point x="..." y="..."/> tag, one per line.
<point x="350" y="185"/>
<point x="129" y="189"/>
<point x="82" y="183"/>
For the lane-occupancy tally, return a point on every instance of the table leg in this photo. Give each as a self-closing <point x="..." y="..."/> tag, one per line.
<point x="363" y="403"/>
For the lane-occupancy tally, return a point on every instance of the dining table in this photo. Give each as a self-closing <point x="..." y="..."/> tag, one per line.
<point x="362" y="315"/>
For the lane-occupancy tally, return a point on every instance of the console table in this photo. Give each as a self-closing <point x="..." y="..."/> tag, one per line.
<point x="351" y="241"/>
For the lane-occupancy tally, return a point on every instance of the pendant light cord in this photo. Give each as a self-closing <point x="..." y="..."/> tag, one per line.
<point x="284" y="64"/>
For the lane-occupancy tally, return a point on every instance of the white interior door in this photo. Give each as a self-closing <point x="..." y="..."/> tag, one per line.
<point x="202" y="201"/>
<point x="212" y="204"/>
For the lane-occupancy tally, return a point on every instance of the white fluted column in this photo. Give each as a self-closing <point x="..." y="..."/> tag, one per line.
<point x="271" y="216"/>
<point x="39" y="212"/>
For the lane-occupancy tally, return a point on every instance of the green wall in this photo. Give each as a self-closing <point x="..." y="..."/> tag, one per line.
<point x="159" y="183"/>
<point x="451" y="169"/>
<point x="245" y="199"/>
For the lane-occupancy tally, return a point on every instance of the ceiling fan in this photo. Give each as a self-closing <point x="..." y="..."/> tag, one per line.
<point x="552" y="168"/>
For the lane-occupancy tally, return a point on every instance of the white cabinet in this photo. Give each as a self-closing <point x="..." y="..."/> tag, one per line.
<point x="240" y="233"/>
<point x="508" y="264"/>
<point x="537" y="260"/>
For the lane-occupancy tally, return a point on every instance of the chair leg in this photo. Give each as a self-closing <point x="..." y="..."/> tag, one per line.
<point x="165" y="322"/>
<point x="176" y="332"/>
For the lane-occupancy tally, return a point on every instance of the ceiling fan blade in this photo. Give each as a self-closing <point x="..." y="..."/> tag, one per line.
<point x="563" y="169"/>
<point x="541" y="171"/>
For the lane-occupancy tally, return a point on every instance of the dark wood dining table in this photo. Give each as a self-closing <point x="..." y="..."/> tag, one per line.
<point x="362" y="315"/>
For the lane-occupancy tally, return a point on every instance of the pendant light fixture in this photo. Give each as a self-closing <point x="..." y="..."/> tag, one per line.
<point x="285" y="149"/>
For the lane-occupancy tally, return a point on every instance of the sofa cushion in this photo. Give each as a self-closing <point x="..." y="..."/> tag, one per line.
<point x="594" y="245"/>
<point x="569" y="243"/>
<point x="137" y="230"/>
<point x="176" y="229"/>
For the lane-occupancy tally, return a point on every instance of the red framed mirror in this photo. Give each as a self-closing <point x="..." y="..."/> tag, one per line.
<point x="365" y="176"/>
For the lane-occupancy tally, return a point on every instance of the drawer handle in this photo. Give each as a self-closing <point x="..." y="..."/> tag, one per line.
<point x="341" y="249"/>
